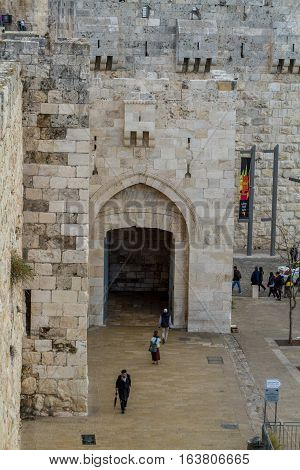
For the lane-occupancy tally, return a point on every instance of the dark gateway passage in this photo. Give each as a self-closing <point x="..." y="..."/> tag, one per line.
<point x="138" y="277"/>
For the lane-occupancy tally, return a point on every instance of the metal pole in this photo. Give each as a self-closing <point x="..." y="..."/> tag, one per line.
<point x="265" y="411"/>
<point x="274" y="200"/>
<point x="251" y="201"/>
<point x="275" y="412"/>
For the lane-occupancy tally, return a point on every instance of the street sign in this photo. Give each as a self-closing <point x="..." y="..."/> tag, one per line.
<point x="272" y="390"/>
<point x="273" y="383"/>
<point x="272" y="395"/>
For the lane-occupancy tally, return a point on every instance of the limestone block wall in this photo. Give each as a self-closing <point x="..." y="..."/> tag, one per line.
<point x="139" y="260"/>
<point x="268" y="114"/>
<point x="104" y="40"/>
<point x="61" y="18"/>
<point x="204" y="112"/>
<point x="257" y="41"/>
<point x="11" y="191"/>
<point x="139" y="125"/>
<point x="34" y="12"/>
<point x="56" y="183"/>
<point x="196" y="45"/>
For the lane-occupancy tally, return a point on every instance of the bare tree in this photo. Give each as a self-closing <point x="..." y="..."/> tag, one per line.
<point x="288" y="249"/>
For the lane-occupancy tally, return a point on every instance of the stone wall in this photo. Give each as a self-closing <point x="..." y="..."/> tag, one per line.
<point x="185" y="41"/>
<point x="61" y="18"/>
<point x="268" y="115"/>
<point x="196" y="176"/>
<point x="56" y="183"/>
<point x="11" y="322"/>
<point x="34" y="12"/>
<point x="139" y="260"/>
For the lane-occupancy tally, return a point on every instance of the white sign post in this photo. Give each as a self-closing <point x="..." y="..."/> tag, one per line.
<point x="272" y="389"/>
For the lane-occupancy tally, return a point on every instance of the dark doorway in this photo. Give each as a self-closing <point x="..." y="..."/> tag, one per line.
<point x="138" y="271"/>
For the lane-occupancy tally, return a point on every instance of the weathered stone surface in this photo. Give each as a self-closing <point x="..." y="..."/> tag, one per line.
<point x="36" y="206"/>
<point x="11" y="221"/>
<point x="43" y="345"/>
<point x="48" y="386"/>
<point x="29" y="386"/>
<point x="38" y="402"/>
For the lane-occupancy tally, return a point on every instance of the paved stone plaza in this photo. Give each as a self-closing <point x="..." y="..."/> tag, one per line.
<point x="182" y="403"/>
<point x="188" y="402"/>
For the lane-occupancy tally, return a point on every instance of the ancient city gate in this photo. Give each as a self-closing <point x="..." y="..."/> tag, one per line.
<point x="152" y="224"/>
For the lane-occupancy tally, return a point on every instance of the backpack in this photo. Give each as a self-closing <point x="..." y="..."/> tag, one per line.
<point x="153" y="346"/>
<point x="165" y="319"/>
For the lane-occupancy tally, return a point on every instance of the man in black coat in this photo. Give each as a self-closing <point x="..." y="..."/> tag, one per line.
<point x="123" y="385"/>
<point x="255" y="277"/>
<point x="165" y="322"/>
<point x="279" y="283"/>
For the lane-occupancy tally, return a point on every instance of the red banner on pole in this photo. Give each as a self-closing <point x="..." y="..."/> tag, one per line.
<point x="244" y="188"/>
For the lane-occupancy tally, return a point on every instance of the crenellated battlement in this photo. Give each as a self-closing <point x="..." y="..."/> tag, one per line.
<point x="129" y="36"/>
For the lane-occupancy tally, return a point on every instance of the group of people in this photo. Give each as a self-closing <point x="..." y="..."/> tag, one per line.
<point x="277" y="283"/>
<point x="123" y="383"/>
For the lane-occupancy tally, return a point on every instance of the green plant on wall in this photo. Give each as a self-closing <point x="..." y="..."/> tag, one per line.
<point x="20" y="270"/>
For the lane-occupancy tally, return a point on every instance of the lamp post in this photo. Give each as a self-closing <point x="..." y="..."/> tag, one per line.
<point x="189" y="159"/>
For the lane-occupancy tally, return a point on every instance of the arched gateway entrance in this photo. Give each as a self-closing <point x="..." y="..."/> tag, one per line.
<point x="138" y="275"/>
<point x="139" y="246"/>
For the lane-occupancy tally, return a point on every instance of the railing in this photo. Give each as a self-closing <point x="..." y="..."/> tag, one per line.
<point x="286" y="435"/>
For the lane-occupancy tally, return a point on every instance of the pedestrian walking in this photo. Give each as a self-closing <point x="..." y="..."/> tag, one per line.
<point x="294" y="254"/>
<point x="154" y="347"/>
<point x="123" y="385"/>
<point x="165" y="322"/>
<point x="279" y="282"/>
<point x="22" y="25"/>
<point x="271" y="285"/>
<point x="255" y="277"/>
<point x="236" y="279"/>
<point x="288" y="287"/>
<point x="261" y="279"/>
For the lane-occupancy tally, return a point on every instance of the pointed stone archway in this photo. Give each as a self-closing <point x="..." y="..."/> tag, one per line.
<point x="141" y="206"/>
<point x="104" y="193"/>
